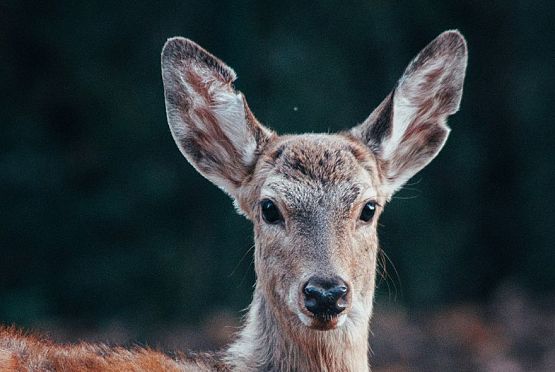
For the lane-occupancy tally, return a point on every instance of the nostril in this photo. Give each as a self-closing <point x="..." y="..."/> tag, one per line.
<point x="339" y="291"/>
<point x="312" y="291"/>
<point x="339" y="294"/>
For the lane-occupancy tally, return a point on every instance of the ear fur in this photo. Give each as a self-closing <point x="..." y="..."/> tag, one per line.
<point x="408" y="129"/>
<point x="210" y="121"/>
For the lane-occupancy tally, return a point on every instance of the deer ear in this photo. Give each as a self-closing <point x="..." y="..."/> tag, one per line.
<point x="408" y="129"/>
<point x="210" y="121"/>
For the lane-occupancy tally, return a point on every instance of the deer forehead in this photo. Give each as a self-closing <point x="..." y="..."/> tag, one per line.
<point x="311" y="170"/>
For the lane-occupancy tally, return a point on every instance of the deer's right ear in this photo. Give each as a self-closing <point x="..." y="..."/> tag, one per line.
<point x="408" y="128"/>
<point x="210" y="121"/>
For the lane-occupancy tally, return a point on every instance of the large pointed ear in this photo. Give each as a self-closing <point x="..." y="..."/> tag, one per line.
<point x="210" y="121"/>
<point x="408" y="128"/>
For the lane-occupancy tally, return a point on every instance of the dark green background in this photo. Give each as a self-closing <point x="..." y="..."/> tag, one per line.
<point x="101" y="219"/>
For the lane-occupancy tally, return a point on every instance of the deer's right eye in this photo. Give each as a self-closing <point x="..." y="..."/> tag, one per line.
<point x="270" y="212"/>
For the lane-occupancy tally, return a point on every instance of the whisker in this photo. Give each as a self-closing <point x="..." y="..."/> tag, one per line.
<point x="388" y="259"/>
<point x="240" y="261"/>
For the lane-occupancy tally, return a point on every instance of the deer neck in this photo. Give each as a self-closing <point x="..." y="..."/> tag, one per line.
<point x="265" y="344"/>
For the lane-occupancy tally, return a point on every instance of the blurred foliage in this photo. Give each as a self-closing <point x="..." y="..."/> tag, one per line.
<point x="102" y="219"/>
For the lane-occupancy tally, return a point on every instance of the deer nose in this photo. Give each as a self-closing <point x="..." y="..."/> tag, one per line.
<point x="325" y="297"/>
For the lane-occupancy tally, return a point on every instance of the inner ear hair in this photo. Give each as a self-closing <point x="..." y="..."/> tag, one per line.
<point x="408" y="129"/>
<point x="210" y="121"/>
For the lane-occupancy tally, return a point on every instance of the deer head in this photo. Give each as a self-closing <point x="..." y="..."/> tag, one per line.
<point x="314" y="199"/>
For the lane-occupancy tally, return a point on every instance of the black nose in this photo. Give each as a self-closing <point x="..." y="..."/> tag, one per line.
<point x="325" y="297"/>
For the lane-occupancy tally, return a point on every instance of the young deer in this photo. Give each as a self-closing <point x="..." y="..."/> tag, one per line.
<point x="314" y="200"/>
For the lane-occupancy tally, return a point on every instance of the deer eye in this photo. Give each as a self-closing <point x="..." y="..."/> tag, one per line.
<point x="368" y="211"/>
<point x="270" y="212"/>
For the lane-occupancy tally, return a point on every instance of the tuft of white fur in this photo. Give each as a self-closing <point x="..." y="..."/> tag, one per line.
<point x="407" y="96"/>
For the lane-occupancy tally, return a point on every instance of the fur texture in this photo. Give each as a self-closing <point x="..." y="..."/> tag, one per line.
<point x="24" y="352"/>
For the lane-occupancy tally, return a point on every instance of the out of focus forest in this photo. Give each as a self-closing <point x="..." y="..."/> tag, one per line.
<point x="107" y="233"/>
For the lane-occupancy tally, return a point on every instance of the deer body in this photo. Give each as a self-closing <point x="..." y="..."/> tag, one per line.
<point x="314" y="200"/>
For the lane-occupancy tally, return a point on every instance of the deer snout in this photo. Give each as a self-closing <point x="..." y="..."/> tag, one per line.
<point x="325" y="297"/>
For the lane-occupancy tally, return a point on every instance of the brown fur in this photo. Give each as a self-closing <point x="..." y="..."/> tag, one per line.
<point x="24" y="352"/>
<point x="320" y="183"/>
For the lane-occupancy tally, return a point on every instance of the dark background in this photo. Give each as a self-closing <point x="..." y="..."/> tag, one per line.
<point x="103" y="224"/>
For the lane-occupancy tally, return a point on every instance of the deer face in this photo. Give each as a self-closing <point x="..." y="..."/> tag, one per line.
<point x="315" y="204"/>
<point x="314" y="199"/>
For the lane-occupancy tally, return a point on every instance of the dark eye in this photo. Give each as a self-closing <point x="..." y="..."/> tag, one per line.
<point x="368" y="211"/>
<point x="270" y="213"/>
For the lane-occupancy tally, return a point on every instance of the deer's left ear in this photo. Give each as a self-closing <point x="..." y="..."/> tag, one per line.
<point x="408" y="128"/>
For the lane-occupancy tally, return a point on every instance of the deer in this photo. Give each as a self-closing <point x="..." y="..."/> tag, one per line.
<point x="314" y="201"/>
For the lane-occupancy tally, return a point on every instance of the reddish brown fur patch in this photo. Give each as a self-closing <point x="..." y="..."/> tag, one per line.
<point x="21" y="352"/>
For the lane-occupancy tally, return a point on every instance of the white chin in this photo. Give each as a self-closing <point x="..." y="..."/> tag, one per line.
<point x="341" y="320"/>
<point x="309" y="321"/>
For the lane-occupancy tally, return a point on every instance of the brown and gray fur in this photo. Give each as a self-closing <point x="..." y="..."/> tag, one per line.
<point x="319" y="183"/>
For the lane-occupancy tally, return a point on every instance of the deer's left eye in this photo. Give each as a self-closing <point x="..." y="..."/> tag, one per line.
<point x="270" y="212"/>
<point x="368" y="211"/>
